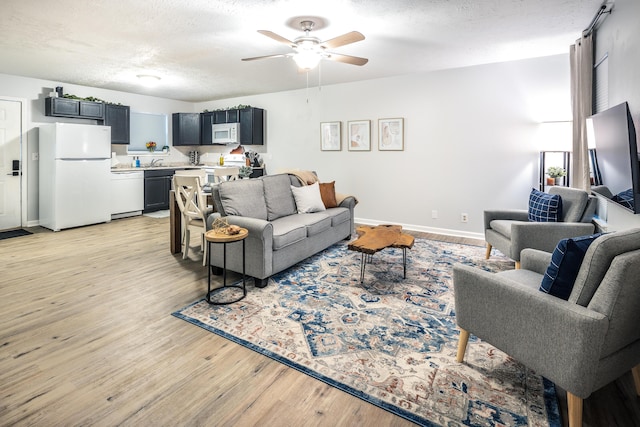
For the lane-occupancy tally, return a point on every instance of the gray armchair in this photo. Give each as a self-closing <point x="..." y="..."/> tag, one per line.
<point x="580" y="344"/>
<point x="510" y="231"/>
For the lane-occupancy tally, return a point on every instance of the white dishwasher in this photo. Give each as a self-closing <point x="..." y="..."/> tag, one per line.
<point x="127" y="193"/>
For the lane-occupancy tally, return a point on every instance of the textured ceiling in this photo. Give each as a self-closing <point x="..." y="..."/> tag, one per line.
<point x="195" y="46"/>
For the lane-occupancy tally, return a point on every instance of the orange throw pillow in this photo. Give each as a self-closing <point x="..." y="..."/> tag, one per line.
<point x="328" y="194"/>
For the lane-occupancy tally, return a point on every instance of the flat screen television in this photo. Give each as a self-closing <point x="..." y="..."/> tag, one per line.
<point x="614" y="138"/>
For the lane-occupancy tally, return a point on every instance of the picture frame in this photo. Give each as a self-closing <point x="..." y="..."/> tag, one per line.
<point x="391" y="134"/>
<point x="359" y="132"/>
<point x="331" y="136"/>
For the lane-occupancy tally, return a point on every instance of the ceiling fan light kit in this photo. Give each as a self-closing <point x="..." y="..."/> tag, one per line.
<point x="309" y="50"/>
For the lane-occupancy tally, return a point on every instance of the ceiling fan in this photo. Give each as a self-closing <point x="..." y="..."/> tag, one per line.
<point x="309" y="50"/>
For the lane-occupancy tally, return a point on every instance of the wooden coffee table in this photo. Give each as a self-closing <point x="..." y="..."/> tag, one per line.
<point x="374" y="239"/>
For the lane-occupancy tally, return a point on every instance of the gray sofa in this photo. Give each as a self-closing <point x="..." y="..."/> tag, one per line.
<point x="279" y="237"/>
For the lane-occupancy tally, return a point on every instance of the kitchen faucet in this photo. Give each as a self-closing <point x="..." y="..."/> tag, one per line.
<point x="154" y="161"/>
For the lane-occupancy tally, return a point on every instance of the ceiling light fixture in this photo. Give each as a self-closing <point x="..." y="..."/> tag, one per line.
<point x="307" y="60"/>
<point x="148" y="79"/>
<point x="308" y="55"/>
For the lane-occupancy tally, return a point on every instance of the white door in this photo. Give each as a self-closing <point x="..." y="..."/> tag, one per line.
<point x="10" y="215"/>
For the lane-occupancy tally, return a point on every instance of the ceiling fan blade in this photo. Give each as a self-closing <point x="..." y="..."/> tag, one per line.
<point x="277" y="37"/>
<point x="342" y="40"/>
<point x="280" y="55"/>
<point x="347" y="59"/>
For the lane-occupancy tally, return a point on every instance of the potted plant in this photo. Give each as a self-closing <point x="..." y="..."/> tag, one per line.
<point x="557" y="173"/>
<point x="245" y="171"/>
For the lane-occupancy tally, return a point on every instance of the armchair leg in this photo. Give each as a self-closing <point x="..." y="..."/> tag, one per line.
<point x="636" y="378"/>
<point x="574" y="404"/>
<point x="462" y="345"/>
<point x="488" y="254"/>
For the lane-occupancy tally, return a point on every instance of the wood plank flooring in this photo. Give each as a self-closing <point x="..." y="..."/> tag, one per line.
<point x="86" y="338"/>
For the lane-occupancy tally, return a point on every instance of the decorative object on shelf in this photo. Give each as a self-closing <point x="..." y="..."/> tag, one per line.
<point x="391" y="134"/>
<point x="330" y="136"/>
<point x="151" y="146"/>
<point x="245" y="171"/>
<point x="557" y="173"/>
<point x="359" y="135"/>
<point x="165" y="149"/>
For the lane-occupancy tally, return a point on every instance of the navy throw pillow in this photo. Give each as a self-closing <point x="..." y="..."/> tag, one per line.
<point x="565" y="263"/>
<point x="544" y="207"/>
<point x="625" y="198"/>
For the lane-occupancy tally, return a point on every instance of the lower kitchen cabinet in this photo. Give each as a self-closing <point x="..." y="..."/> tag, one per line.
<point x="157" y="184"/>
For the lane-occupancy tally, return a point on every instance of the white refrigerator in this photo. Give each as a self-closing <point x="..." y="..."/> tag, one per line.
<point x="75" y="172"/>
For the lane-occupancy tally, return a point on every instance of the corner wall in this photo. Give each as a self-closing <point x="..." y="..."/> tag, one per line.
<point x="619" y="37"/>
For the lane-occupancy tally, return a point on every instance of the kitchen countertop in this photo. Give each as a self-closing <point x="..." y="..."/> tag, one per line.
<point x="144" y="168"/>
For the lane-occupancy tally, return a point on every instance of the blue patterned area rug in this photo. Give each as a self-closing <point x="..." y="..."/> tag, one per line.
<point x="390" y="341"/>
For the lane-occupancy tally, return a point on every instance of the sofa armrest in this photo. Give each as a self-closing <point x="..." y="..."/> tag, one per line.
<point x="348" y="202"/>
<point x="558" y="339"/>
<point x="545" y="236"/>
<point x="535" y="260"/>
<point x="508" y="214"/>
<point x="259" y="246"/>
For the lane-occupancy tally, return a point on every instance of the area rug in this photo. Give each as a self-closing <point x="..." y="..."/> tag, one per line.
<point x="389" y="341"/>
<point x="14" y="233"/>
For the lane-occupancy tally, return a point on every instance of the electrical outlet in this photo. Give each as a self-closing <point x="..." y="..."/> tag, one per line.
<point x="464" y="217"/>
<point x="434" y="214"/>
<point x="35" y="156"/>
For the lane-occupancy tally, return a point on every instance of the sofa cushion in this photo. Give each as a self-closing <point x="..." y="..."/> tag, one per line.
<point x="574" y="202"/>
<point x="338" y="215"/>
<point x="243" y="198"/>
<point x="278" y="196"/>
<point x="565" y="263"/>
<point x="328" y="194"/>
<point x="317" y="222"/>
<point x="544" y="207"/>
<point x="288" y="230"/>
<point x="308" y="198"/>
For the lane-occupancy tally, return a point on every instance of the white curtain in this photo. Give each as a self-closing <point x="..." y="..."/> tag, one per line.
<point x="581" y="57"/>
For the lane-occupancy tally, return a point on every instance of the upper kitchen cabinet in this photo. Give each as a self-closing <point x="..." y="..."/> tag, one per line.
<point x="186" y="128"/>
<point x="252" y="126"/>
<point x="226" y="116"/>
<point x="117" y="116"/>
<point x="206" y="123"/>
<point x="65" y="107"/>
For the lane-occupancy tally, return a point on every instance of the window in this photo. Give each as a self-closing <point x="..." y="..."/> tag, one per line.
<point x="147" y="127"/>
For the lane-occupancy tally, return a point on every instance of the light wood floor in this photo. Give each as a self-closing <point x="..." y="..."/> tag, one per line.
<point x="86" y="338"/>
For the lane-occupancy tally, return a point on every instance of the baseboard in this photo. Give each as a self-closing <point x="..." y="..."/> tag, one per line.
<point x="423" y="229"/>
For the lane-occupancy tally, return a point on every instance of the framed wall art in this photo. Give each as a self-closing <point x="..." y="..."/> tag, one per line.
<point x="330" y="136"/>
<point x="359" y="135"/>
<point x="391" y="134"/>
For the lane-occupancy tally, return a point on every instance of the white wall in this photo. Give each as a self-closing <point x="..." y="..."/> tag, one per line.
<point x="469" y="139"/>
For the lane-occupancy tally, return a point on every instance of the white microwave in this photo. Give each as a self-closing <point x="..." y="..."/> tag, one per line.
<point x="225" y="133"/>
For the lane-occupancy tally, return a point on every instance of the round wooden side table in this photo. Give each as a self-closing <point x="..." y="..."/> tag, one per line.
<point x="213" y="237"/>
